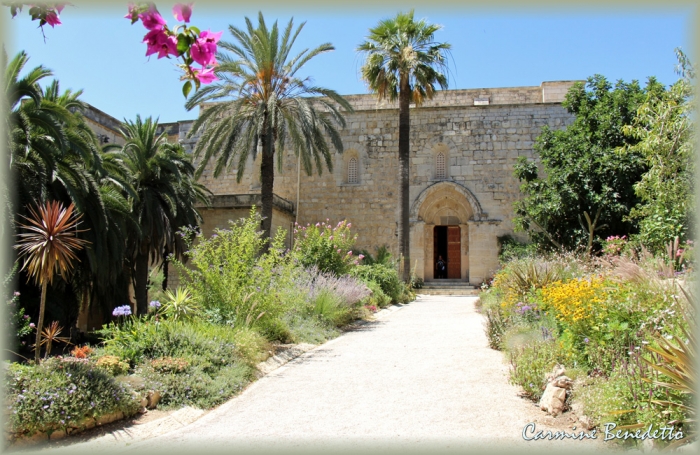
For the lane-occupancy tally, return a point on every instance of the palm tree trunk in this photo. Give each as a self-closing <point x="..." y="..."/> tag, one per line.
<point x="40" y="323"/>
<point x="267" y="179"/>
<point x="404" y="166"/>
<point x="141" y="285"/>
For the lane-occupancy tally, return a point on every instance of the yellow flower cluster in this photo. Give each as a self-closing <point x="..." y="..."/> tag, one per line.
<point x="577" y="301"/>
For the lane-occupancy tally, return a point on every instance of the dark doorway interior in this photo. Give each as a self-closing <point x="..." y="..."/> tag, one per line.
<point x="440" y="247"/>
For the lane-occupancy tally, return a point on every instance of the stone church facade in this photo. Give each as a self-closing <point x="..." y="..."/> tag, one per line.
<point x="464" y="145"/>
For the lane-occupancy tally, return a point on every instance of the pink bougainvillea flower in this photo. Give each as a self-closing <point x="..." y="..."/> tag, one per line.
<point x="205" y="76"/>
<point x="152" y="19"/>
<point x="157" y="41"/>
<point x="52" y="18"/>
<point x="183" y="11"/>
<point x="202" y="54"/>
<point x="203" y="51"/>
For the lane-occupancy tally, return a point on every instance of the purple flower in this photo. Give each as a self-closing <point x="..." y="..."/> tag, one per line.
<point x="124" y="310"/>
<point x="154" y="304"/>
<point x="31" y="324"/>
<point x="586" y="340"/>
<point x="16" y="294"/>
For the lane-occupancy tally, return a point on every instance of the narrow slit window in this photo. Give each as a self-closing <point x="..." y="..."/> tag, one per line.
<point x="352" y="171"/>
<point x="440" y="172"/>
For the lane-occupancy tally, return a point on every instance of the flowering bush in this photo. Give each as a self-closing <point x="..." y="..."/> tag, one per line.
<point x="614" y="245"/>
<point x="188" y="43"/>
<point x="58" y="393"/>
<point x="325" y="246"/>
<point x="578" y="304"/>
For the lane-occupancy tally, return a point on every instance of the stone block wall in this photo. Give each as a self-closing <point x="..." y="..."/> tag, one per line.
<point x="481" y="132"/>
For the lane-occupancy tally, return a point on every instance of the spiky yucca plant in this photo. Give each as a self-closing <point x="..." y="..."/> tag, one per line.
<point x="48" y="248"/>
<point x="676" y="361"/>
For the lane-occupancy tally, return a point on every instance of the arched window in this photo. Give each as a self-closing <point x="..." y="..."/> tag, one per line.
<point x="352" y="171"/>
<point x="440" y="171"/>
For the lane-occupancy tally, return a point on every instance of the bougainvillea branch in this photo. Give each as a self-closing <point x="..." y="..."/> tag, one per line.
<point x="183" y="42"/>
<point x="45" y="13"/>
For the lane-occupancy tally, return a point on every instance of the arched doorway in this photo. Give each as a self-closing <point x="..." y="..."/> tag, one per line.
<point x="441" y="215"/>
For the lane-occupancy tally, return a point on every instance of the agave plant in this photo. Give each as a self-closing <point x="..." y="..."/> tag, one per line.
<point x="49" y="248"/>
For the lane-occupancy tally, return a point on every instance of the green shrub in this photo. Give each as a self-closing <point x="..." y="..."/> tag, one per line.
<point x="386" y="276"/>
<point x="111" y="365"/>
<point x="306" y="329"/>
<point x="378" y="298"/>
<point x="330" y="307"/>
<point x="59" y="392"/>
<point x="325" y="246"/>
<point x="511" y="249"/>
<point x="194" y="385"/>
<point x="495" y="327"/>
<point x="229" y="279"/>
<point x="531" y="363"/>
<point x="199" y="342"/>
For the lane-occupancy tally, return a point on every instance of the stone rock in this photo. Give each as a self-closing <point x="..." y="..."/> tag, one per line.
<point x="553" y="400"/>
<point x="109" y="418"/>
<point x="153" y="399"/>
<point x="564" y="382"/>
<point x="58" y="434"/>
<point x="557" y="371"/>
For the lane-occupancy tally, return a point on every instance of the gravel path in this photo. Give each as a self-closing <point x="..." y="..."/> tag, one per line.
<point x="420" y="377"/>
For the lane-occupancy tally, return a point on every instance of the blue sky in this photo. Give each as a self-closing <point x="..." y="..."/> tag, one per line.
<point x="99" y="51"/>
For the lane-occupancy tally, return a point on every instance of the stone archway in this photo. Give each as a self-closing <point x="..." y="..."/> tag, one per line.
<point x="443" y="204"/>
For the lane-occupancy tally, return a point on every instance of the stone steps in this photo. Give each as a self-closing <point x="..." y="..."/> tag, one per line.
<point x="447" y="287"/>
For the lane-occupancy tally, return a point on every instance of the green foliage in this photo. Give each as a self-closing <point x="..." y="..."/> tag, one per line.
<point x="16" y="326"/>
<point x="304" y="329"/>
<point x="383" y="256"/>
<point x="531" y="363"/>
<point x="378" y="298"/>
<point x="330" y="307"/>
<point x="511" y="249"/>
<point x="386" y="276"/>
<point x="112" y="365"/>
<point x="325" y="246"/>
<point x="59" y="392"/>
<point x="230" y="280"/>
<point x="179" y="304"/>
<point x="201" y="343"/>
<point x="195" y="385"/>
<point x="664" y="128"/>
<point x="584" y="174"/>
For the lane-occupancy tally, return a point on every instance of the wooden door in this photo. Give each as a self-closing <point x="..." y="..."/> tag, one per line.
<point x="454" y="257"/>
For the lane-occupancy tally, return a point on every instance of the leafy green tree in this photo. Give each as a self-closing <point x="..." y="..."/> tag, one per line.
<point x="270" y="106"/>
<point x="587" y="186"/>
<point x="166" y="192"/>
<point x="664" y="128"/>
<point x="404" y="62"/>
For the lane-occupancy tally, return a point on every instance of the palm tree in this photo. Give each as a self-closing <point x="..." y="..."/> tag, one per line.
<point x="401" y="62"/>
<point x="270" y="106"/>
<point x="166" y="193"/>
<point x="49" y="248"/>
